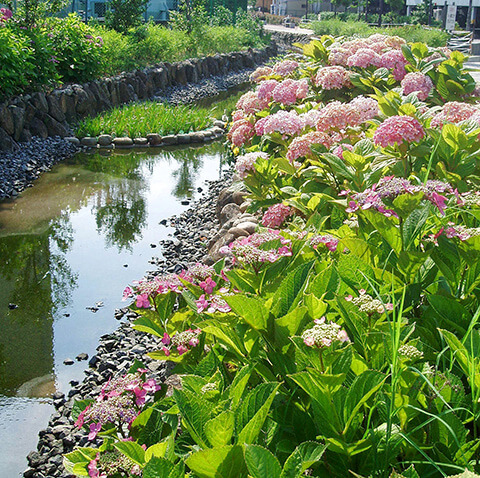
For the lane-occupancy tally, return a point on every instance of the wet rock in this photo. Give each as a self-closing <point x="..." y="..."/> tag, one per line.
<point x="140" y="141"/>
<point x="82" y="356"/>
<point x="170" y="139"/>
<point x="123" y="142"/>
<point x="105" y="140"/>
<point x="68" y="361"/>
<point x="154" y="139"/>
<point x="12" y="306"/>
<point x="89" y="141"/>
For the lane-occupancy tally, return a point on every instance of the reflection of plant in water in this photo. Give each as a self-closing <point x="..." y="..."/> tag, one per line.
<point x="116" y="165"/>
<point x="190" y="160"/>
<point x="121" y="213"/>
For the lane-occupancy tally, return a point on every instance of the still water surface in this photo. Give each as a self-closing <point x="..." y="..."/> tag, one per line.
<point x="76" y="238"/>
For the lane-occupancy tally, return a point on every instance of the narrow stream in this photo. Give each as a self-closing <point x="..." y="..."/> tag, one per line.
<point x="73" y="241"/>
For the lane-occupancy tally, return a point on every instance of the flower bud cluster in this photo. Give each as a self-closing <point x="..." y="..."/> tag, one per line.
<point x="324" y="334"/>
<point x="410" y="352"/>
<point x="366" y="303"/>
<point x="182" y="341"/>
<point x="209" y="387"/>
<point x="112" y="463"/>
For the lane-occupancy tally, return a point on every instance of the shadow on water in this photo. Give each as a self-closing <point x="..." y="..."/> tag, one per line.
<point x="65" y="244"/>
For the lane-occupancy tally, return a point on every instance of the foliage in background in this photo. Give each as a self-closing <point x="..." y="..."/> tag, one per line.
<point x="411" y="33"/>
<point x="125" y="14"/>
<point x="63" y="50"/>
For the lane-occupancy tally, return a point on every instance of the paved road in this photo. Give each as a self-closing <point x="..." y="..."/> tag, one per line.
<point x="281" y="28"/>
<point x="474" y="62"/>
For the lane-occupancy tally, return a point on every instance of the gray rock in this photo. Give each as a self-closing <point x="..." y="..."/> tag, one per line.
<point x="123" y="142"/>
<point x="73" y="140"/>
<point x="68" y="361"/>
<point x="140" y="141"/>
<point x="35" y="459"/>
<point x="170" y="139"/>
<point x="183" y="138"/>
<point x="238" y="231"/>
<point x="154" y="139"/>
<point x="89" y="141"/>
<point x="247" y="226"/>
<point x="105" y="140"/>
<point x="229" y="211"/>
<point x="197" y="137"/>
<point x="82" y="356"/>
<point x="37" y="128"/>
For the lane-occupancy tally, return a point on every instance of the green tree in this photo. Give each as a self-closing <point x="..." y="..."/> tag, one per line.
<point x="125" y="14"/>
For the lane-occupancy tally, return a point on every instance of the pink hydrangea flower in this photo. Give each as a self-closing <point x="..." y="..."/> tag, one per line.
<point x="246" y="163"/>
<point x="333" y="78"/>
<point x="265" y="90"/>
<point x="241" y="132"/>
<point x="250" y="104"/>
<point x="337" y="115"/>
<point x="260" y="73"/>
<point x="417" y="83"/>
<point x="330" y="242"/>
<point x="366" y="107"/>
<point x="395" y="61"/>
<point x="285" y="67"/>
<point x="283" y="122"/>
<point x="338" y="56"/>
<point x="289" y="91"/>
<point x="397" y="130"/>
<point x="142" y="301"/>
<point x="454" y="112"/>
<point x="338" y="151"/>
<point x="5" y="14"/>
<point x="208" y="285"/>
<point x="276" y="215"/>
<point x="364" y="58"/>
<point x="301" y="145"/>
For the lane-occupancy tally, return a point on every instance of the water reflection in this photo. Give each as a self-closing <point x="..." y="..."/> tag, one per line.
<point x="64" y="245"/>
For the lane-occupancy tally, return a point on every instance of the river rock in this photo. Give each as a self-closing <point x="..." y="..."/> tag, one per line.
<point x="249" y="227"/>
<point x="123" y="142"/>
<point x="140" y="141"/>
<point x="238" y="232"/>
<point x="170" y="139"/>
<point x="89" y="141"/>
<point x="229" y="212"/>
<point x="105" y="140"/>
<point x="154" y="139"/>
<point x="183" y="138"/>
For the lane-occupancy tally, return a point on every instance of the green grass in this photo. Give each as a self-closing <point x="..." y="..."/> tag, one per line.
<point x="412" y="33"/>
<point x="139" y="119"/>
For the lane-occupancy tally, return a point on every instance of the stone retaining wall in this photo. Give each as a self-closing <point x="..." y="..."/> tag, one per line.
<point x="50" y="114"/>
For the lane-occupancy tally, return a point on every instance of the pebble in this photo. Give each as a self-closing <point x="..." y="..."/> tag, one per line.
<point x="68" y="361"/>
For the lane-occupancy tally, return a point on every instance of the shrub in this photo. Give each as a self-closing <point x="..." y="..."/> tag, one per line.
<point x="125" y="14"/>
<point x="16" y="62"/>
<point x="77" y="49"/>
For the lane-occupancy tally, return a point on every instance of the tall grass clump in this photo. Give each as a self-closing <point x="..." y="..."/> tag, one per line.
<point x="140" y="119"/>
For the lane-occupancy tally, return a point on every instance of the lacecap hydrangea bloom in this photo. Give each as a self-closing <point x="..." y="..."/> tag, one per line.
<point x="418" y="83"/>
<point x="397" y="130"/>
<point x="366" y="303"/>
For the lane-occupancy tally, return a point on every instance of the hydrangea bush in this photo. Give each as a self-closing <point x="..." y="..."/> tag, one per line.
<point x="341" y="338"/>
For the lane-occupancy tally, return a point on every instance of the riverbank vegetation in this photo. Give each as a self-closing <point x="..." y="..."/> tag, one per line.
<point x="46" y="51"/>
<point x="139" y="119"/>
<point x="343" y="338"/>
<point x="433" y="37"/>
